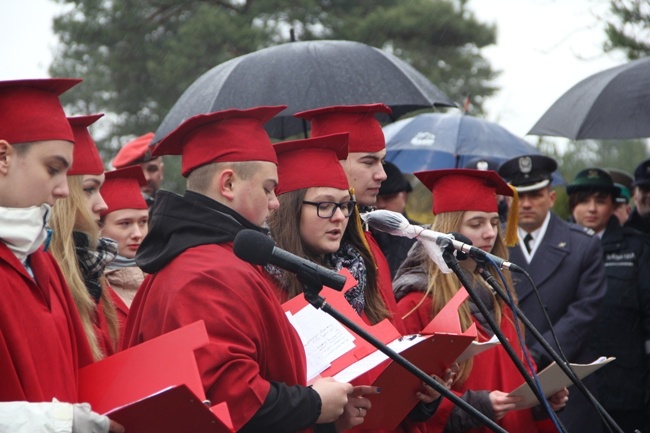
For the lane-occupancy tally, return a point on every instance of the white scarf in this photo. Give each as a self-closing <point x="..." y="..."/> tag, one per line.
<point x="24" y="230"/>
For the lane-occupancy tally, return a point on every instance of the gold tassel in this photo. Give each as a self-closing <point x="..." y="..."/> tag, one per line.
<point x="511" y="236"/>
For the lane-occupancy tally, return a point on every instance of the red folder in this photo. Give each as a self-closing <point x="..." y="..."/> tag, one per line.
<point x="155" y="380"/>
<point x="172" y="410"/>
<point x="432" y="355"/>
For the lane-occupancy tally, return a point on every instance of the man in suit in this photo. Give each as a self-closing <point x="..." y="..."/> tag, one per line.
<point x="565" y="263"/>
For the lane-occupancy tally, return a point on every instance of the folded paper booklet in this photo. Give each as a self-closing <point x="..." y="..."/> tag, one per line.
<point x="155" y="386"/>
<point x="553" y="379"/>
<point x="335" y="351"/>
<point x="477" y="347"/>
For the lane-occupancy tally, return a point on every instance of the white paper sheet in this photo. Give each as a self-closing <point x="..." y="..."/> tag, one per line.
<point x="376" y="358"/>
<point x="552" y="379"/>
<point x="323" y="337"/>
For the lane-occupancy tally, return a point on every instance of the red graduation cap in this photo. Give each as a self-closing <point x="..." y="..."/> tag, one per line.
<point x="134" y="152"/>
<point x="224" y="136"/>
<point x="312" y="162"/>
<point x="365" y="130"/>
<point x="121" y="189"/>
<point x="462" y="189"/>
<point x="85" y="159"/>
<point x="31" y="110"/>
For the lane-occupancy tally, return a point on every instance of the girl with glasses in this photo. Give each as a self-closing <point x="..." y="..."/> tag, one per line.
<point x="317" y="220"/>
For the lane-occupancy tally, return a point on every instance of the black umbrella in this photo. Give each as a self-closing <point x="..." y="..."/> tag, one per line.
<point x="612" y="104"/>
<point x="306" y="75"/>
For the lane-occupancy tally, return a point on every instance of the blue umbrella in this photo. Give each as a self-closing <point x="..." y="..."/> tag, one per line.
<point x="433" y="141"/>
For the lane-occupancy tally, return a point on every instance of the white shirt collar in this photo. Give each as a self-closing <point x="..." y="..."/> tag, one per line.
<point x="537" y="235"/>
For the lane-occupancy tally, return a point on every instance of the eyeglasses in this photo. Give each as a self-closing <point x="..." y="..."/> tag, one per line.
<point x="327" y="209"/>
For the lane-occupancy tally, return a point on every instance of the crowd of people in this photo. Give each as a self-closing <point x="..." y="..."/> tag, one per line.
<point x="94" y="262"/>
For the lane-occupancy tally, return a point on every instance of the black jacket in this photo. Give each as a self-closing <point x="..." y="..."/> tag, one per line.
<point x="638" y="222"/>
<point x="624" y="326"/>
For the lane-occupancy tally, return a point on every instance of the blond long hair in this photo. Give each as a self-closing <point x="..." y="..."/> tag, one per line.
<point x="442" y="287"/>
<point x="68" y="215"/>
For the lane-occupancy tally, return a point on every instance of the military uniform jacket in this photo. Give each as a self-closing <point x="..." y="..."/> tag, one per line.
<point x="568" y="270"/>
<point x="624" y="326"/>
<point x="570" y="276"/>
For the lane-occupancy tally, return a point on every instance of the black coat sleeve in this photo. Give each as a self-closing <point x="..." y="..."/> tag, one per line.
<point x="286" y="409"/>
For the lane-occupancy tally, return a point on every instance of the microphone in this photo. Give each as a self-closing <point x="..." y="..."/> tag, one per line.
<point x="396" y="224"/>
<point x="259" y="249"/>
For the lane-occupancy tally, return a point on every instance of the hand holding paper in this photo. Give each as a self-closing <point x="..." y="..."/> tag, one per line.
<point x="553" y="379"/>
<point x="333" y="396"/>
<point x="357" y="408"/>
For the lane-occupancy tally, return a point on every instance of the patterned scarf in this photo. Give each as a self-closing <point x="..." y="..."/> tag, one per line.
<point x="120" y="262"/>
<point x="92" y="263"/>
<point x="348" y="257"/>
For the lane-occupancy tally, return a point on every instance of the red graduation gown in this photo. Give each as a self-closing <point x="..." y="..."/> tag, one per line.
<point x="251" y="340"/>
<point x="492" y="370"/>
<point x="121" y="309"/>
<point x="385" y="286"/>
<point x="42" y="341"/>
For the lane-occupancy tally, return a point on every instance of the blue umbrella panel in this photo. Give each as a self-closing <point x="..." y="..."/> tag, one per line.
<point x="432" y="141"/>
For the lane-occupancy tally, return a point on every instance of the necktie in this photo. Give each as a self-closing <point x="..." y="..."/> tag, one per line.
<point x="527" y="240"/>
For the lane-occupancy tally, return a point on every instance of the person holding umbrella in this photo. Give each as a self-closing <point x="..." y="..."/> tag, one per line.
<point x="640" y="217"/>
<point x="255" y="360"/>
<point x="623" y="330"/>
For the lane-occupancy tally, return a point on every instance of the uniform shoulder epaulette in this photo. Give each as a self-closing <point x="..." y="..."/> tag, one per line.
<point x="582" y="229"/>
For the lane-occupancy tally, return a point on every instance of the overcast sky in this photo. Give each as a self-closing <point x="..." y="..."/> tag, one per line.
<point x="543" y="48"/>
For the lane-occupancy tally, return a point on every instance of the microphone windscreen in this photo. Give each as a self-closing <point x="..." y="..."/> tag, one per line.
<point x="386" y="221"/>
<point x="253" y="247"/>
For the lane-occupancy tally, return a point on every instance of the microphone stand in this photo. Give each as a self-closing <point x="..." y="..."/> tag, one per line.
<point x="311" y="292"/>
<point x="564" y="366"/>
<point x="446" y="245"/>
